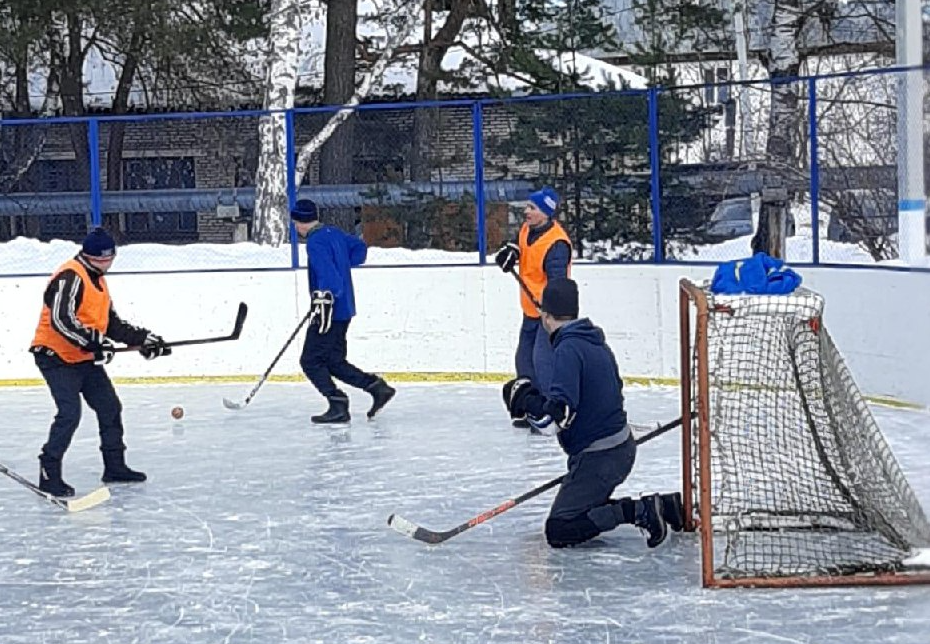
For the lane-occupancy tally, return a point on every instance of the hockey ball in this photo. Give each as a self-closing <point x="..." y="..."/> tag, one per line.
<point x="177" y="413"/>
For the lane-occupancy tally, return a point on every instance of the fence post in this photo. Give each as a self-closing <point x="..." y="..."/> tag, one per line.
<point x="815" y="168"/>
<point x="477" y="124"/>
<point x="655" y="188"/>
<point x="96" y="199"/>
<point x="290" y="163"/>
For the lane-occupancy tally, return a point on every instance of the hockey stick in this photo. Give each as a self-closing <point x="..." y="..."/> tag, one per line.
<point x="85" y="502"/>
<point x="526" y="289"/>
<point x="230" y="404"/>
<point x="425" y="535"/>
<point x="237" y="331"/>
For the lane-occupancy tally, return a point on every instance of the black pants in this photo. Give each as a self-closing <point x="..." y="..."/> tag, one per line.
<point x="324" y="358"/>
<point x="68" y="383"/>
<point x="582" y="508"/>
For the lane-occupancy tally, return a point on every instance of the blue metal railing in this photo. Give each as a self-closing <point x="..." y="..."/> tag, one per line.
<point x="482" y="189"/>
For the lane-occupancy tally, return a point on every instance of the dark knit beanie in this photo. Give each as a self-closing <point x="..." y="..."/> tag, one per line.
<point x="99" y="244"/>
<point x="560" y="298"/>
<point x="304" y="211"/>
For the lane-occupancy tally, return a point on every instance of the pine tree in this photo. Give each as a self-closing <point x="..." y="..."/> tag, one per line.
<point x="593" y="149"/>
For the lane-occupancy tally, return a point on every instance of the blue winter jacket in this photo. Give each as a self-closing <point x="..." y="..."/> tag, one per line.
<point x="587" y="379"/>
<point x="756" y="275"/>
<point x="331" y="254"/>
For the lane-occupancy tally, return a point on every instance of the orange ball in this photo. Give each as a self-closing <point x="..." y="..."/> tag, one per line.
<point x="177" y="413"/>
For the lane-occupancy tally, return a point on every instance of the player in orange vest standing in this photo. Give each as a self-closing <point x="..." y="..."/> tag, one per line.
<point x="72" y="343"/>
<point x="543" y="252"/>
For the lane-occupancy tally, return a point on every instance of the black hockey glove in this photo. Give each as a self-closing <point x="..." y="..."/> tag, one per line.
<point x="102" y="350"/>
<point x="516" y="392"/>
<point x="508" y="256"/>
<point x="321" y="304"/>
<point x="154" y="347"/>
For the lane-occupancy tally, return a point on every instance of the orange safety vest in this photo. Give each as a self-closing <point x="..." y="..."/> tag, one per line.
<point x="532" y="270"/>
<point x="94" y="312"/>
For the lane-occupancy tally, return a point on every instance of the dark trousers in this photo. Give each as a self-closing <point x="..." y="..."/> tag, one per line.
<point x="68" y="383"/>
<point x="582" y="508"/>
<point x="534" y="354"/>
<point x="324" y="358"/>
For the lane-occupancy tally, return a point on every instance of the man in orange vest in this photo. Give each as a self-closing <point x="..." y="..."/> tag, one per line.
<point x="72" y="343"/>
<point x="543" y="252"/>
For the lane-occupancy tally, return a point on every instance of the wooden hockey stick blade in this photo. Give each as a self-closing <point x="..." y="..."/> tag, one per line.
<point x="237" y="331"/>
<point x="95" y="498"/>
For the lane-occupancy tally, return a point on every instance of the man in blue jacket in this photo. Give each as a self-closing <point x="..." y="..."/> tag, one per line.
<point x="331" y="254"/>
<point x="585" y="406"/>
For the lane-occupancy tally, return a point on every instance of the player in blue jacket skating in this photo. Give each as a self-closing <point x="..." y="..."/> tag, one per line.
<point x="331" y="254"/>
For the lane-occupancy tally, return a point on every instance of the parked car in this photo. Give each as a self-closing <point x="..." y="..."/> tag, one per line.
<point x="731" y="218"/>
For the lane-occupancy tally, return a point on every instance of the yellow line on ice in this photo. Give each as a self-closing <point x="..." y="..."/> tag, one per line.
<point x="400" y="376"/>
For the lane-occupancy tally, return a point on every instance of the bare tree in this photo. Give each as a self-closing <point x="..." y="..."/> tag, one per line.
<point x="271" y="206"/>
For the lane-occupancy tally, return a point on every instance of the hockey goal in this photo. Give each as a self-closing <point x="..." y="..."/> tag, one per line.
<point x="786" y="474"/>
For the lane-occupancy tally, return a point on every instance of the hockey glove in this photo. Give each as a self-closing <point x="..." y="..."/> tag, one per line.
<point x="102" y="350"/>
<point x="154" y="347"/>
<point x="555" y="417"/>
<point x="507" y="257"/>
<point x="515" y="394"/>
<point x="321" y="304"/>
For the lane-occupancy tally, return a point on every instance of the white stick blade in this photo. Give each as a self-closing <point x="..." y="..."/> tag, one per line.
<point x="401" y="525"/>
<point x="229" y="404"/>
<point x="88" y="501"/>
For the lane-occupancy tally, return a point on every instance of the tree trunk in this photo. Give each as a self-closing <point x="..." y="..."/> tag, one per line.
<point x="434" y="50"/>
<point x="782" y="61"/>
<point x="336" y="157"/>
<point x="72" y="95"/>
<point x="271" y="204"/>
<point x="117" y="129"/>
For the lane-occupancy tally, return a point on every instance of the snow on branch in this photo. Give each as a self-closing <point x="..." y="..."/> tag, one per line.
<point x="394" y="39"/>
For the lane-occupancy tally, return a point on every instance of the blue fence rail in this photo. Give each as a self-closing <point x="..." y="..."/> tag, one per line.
<point x="657" y="175"/>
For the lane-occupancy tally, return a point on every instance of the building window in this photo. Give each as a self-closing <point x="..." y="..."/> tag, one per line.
<point x="53" y="176"/>
<point x="716" y="94"/>
<point x="160" y="173"/>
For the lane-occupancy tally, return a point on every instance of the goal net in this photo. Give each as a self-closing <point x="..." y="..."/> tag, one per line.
<point x="788" y="473"/>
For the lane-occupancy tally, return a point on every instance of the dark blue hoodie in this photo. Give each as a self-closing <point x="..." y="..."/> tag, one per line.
<point x="586" y="379"/>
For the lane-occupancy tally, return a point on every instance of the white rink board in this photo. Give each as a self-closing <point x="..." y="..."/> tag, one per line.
<point x="465" y="319"/>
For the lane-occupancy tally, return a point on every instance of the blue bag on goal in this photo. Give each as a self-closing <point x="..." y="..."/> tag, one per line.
<point x="757" y="275"/>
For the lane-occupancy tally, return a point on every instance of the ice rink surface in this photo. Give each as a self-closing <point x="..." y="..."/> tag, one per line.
<point x="255" y="526"/>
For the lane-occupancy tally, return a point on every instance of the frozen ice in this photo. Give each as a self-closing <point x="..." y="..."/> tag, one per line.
<point x="256" y="526"/>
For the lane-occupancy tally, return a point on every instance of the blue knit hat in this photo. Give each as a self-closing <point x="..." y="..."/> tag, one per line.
<point x="304" y="211"/>
<point x="99" y="244"/>
<point x="546" y="199"/>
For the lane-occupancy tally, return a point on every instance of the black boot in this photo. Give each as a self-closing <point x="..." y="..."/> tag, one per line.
<point x="338" y="411"/>
<point x="50" y="480"/>
<point x="672" y="511"/>
<point x="649" y="518"/>
<point x="115" y="469"/>
<point x="381" y="392"/>
<point x="521" y="423"/>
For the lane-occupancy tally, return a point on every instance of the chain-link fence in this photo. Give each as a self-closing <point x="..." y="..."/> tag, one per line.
<point x="696" y="173"/>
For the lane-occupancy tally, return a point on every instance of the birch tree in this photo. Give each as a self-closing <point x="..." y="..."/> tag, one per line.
<point x="783" y="62"/>
<point x="271" y="204"/>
